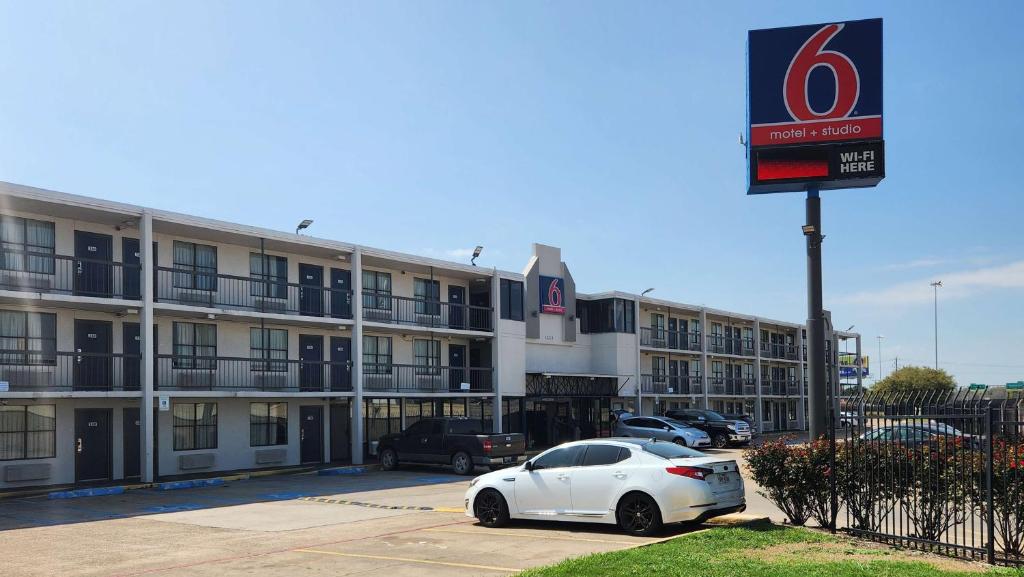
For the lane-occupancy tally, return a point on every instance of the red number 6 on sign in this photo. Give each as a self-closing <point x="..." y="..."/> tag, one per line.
<point x="811" y="56"/>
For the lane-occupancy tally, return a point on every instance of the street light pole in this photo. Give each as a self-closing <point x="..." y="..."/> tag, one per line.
<point x="935" y="285"/>
<point x="879" y="364"/>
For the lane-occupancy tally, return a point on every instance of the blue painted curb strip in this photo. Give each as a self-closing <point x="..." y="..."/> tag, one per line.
<point x="342" y="471"/>
<point x="191" y="484"/>
<point x="97" y="492"/>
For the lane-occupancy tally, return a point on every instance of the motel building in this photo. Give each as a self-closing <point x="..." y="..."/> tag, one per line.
<point x="141" y="344"/>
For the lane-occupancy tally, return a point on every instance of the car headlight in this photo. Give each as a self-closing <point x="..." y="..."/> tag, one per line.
<point x="731" y="427"/>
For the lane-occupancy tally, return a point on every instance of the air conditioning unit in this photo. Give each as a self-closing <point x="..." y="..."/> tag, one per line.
<point x="21" y="281"/>
<point x="270" y="380"/>
<point x="188" y="379"/>
<point x="430" y="383"/>
<point x="194" y="297"/>
<point x="28" y="377"/>
<point x="271" y="305"/>
<point x="379" y="315"/>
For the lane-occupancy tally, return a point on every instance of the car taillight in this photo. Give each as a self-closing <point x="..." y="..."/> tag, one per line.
<point x="488" y="445"/>
<point x="691" y="472"/>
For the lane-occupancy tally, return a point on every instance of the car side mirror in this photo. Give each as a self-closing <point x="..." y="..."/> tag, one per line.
<point x="528" y="466"/>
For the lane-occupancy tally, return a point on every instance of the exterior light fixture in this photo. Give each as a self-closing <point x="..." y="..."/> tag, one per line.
<point x="476" y="254"/>
<point x="303" y="225"/>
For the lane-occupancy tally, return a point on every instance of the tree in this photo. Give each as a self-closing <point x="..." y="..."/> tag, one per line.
<point x="915" y="380"/>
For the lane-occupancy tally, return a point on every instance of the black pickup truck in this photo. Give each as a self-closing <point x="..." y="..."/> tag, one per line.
<point x="459" y="442"/>
<point x="723" y="431"/>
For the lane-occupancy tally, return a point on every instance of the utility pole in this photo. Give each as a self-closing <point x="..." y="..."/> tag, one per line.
<point x="816" y="391"/>
<point x="935" y="286"/>
<point x="878" y="377"/>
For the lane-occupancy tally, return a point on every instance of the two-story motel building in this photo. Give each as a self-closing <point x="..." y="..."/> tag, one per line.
<point x="139" y="344"/>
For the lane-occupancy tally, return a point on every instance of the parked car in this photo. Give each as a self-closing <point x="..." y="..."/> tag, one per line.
<point x="662" y="429"/>
<point x="723" y="432"/>
<point x="904" y="434"/>
<point x="638" y="484"/>
<point x="749" y="420"/>
<point x="456" y="441"/>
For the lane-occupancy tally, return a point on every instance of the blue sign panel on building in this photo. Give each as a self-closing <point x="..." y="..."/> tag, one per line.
<point x="814" y="105"/>
<point x="552" y="295"/>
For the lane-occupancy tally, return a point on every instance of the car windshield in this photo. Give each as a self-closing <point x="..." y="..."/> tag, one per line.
<point x="713" y="416"/>
<point x="667" y="450"/>
<point x="675" y="423"/>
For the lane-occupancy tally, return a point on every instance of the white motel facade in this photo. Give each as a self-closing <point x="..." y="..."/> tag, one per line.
<point x="139" y="344"/>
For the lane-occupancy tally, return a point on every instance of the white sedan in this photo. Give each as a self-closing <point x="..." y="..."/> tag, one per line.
<point x="638" y="484"/>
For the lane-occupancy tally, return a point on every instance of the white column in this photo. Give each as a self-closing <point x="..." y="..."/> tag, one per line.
<point x="704" y="368"/>
<point x="636" y="368"/>
<point x="147" y="425"/>
<point x="496" y="351"/>
<point x="357" y="356"/>
<point x="759" y="407"/>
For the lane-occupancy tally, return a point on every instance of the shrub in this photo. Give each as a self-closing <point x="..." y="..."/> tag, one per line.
<point x="783" y="473"/>
<point x="866" y="481"/>
<point x="1007" y="495"/>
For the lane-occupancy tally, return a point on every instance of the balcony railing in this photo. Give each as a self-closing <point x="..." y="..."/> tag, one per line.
<point x="732" y="386"/>
<point x="666" y="339"/>
<point x="778" y="351"/>
<point x="780" y="387"/>
<point x="26" y="372"/>
<point x="385" y="308"/>
<point x="730" y="345"/>
<point x="53" y="273"/>
<point x="181" y="373"/>
<point x="392" y="378"/>
<point x="203" y="289"/>
<point x="669" y="385"/>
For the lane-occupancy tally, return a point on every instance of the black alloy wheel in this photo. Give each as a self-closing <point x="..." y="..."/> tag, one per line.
<point x="720" y="441"/>
<point x="638" y="514"/>
<point x="490" y="508"/>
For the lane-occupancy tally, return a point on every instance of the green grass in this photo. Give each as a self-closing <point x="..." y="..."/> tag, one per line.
<point x="763" y="551"/>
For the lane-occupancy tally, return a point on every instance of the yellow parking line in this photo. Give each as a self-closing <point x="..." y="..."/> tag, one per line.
<point x="449" y="510"/>
<point x="533" y="536"/>
<point x="409" y="560"/>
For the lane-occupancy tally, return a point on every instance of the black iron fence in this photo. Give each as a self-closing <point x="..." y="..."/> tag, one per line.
<point x="671" y="385"/>
<point x="47" y="371"/>
<point x="730" y="345"/>
<point x="732" y="386"/>
<point x="206" y="289"/>
<point x="778" y="351"/>
<point x="941" y="472"/>
<point x="188" y="373"/>
<point x="390" y="309"/>
<point x="780" y="387"/>
<point x="393" y="378"/>
<point x="54" y="273"/>
<point x="666" y="339"/>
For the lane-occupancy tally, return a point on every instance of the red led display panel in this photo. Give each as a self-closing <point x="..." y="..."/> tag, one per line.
<point x="785" y="169"/>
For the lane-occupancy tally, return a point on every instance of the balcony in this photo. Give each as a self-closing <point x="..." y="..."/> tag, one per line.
<point x="58" y="274"/>
<point x="665" y="339"/>
<point x="188" y="287"/>
<point x="396" y="310"/>
<point x="731" y="345"/>
<point x="392" y="378"/>
<point x="667" y="385"/>
<point x="180" y="373"/>
<point x="41" y="372"/>
<point x="778" y="351"/>
<point x="732" y="386"/>
<point x="780" y="387"/>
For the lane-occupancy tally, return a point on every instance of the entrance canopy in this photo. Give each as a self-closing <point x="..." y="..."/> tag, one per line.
<point x="571" y="385"/>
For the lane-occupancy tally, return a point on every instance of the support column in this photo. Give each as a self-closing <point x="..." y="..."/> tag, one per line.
<point x="147" y="424"/>
<point x="636" y="368"/>
<point x="357" y="357"/>
<point x="801" y="414"/>
<point x="704" y="368"/>
<point x="817" y="392"/>
<point x="859" y="365"/>
<point x="759" y="407"/>
<point x="496" y="411"/>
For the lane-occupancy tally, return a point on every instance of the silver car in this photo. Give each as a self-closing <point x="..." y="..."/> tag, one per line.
<point x="662" y="429"/>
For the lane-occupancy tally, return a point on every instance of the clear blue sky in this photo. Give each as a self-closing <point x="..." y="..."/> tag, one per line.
<point x="607" y="128"/>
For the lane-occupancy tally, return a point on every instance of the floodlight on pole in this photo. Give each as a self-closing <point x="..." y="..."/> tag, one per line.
<point x="476" y="254"/>
<point x="935" y="285"/>
<point x="303" y="225"/>
<point x="646" y="292"/>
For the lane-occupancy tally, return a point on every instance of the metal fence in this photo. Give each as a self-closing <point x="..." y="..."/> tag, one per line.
<point x="942" y="472"/>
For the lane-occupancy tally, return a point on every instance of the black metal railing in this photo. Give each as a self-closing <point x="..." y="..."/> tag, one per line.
<point x="392" y="378"/>
<point x="666" y="339"/>
<point x="778" y="351"/>
<point x="942" y="472"/>
<point x="671" y="385"/>
<point x="780" y="387"/>
<point x="390" y="309"/>
<point x="53" y="273"/>
<point x="731" y="345"/>
<point x="185" y="373"/>
<point x="69" y="371"/>
<point x="732" y="386"/>
<point x="203" y="289"/>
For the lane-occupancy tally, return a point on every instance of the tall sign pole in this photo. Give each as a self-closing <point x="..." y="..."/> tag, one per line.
<point x="814" y="111"/>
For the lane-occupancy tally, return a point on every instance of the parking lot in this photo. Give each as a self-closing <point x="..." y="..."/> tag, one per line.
<point x="406" y="522"/>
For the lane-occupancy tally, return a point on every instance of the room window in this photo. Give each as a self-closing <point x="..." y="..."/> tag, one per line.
<point x="28" y="338"/>
<point x="376" y="354"/>
<point x="428" y="296"/>
<point x="195" y="346"/>
<point x="606" y="316"/>
<point x="268" y="424"/>
<point x="269" y="274"/>
<point x="269" y="350"/>
<point x="428" y="356"/>
<point x="28" y="245"/>
<point x="195" y="266"/>
<point x="511" y="300"/>
<point x="195" y="426"/>
<point x="28" y="432"/>
<point x="377" y="290"/>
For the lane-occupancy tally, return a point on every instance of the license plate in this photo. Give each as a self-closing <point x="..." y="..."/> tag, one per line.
<point x="507" y="459"/>
<point x="724" y="479"/>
